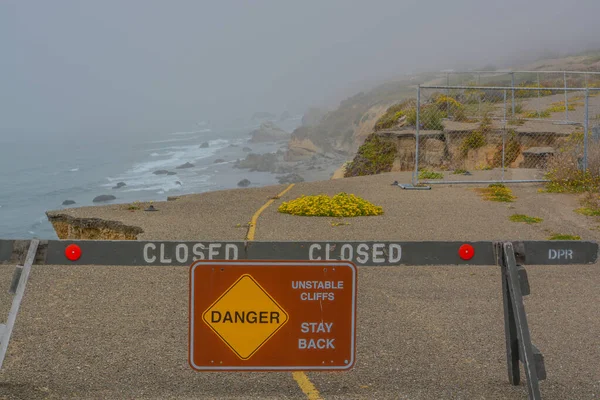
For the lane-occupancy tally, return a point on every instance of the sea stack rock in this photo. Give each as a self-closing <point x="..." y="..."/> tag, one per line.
<point x="103" y="197"/>
<point x="186" y="165"/>
<point x="268" y="132"/>
<point x="244" y="183"/>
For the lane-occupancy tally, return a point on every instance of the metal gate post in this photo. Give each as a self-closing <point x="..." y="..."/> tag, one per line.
<point x="566" y="99"/>
<point x="416" y="172"/>
<point x="503" y="139"/>
<point x="586" y="127"/>
<point x="512" y="83"/>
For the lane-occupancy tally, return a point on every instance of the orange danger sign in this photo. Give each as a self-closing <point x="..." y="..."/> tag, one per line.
<point x="272" y="315"/>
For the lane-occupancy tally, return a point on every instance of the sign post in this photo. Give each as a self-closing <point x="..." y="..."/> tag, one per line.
<point x="272" y="315"/>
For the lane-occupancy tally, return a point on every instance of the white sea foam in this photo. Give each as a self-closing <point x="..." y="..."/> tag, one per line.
<point x="192" y="132"/>
<point x="140" y="176"/>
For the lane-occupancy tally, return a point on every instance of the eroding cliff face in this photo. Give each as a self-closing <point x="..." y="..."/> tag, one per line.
<point x="300" y="148"/>
<point x="366" y="126"/>
<point x="68" y="227"/>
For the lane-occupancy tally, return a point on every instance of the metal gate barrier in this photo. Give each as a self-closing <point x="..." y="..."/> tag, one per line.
<point x="511" y="256"/>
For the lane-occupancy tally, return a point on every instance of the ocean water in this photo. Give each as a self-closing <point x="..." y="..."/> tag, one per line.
<point x="37" y="175"/>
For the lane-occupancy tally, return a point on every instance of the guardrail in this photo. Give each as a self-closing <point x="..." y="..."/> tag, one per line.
<point x="511" y="256"/>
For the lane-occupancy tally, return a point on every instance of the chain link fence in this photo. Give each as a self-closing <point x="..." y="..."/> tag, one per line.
<point x="484" y="134"/>
<point x="593" y="148"/>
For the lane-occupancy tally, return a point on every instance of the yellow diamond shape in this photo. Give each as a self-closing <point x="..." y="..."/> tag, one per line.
<point x="245" y="317"/>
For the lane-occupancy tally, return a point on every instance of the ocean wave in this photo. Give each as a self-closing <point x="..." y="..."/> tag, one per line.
<point x="68" y="191"/>
<point x="39" y="222"/>
<point x="74" y="169"/>
<point x="166" y="185"/>
<point x="179" y="139"/>
<point x="140" y="177"/>
<point x="218" y="142"/>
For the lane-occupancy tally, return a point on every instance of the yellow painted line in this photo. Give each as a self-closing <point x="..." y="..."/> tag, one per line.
<point x="307" y="387"/>
<point x="300" y="377"/>
<point x="252" y="228"/>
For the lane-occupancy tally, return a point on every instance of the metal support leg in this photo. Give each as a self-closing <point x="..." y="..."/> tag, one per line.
<point x="6" y="332"/>
<point x="518" y="339"/>
<point x="510" y="328"/>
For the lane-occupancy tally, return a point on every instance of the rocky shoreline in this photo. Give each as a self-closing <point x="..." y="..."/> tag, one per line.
<point x="294" y="161"/>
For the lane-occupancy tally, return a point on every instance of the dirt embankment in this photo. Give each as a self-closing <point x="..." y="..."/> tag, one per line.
<point x="68" y="227"/>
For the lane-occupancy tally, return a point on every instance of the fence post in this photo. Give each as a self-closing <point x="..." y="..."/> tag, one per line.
<point x="416" y="173"/>
<point x="538" y="102"/>
<point x="504" y="138"/>
<point x="479" y="97"/>
<point x="448" y="94"/>
<point x="585" y="130"/>
<point x="566" y="98"/>
<point x="512" y="84"/>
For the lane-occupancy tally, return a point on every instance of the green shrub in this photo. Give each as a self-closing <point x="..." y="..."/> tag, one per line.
<point x="411" y="117"/>
<point x="590" y="212"/>
<point x="375" y="156"/>
<point x="388" y="120"/>
<point x="525" y="218"/>
<point x="497" y="192"/>
<point x="511" y="151"/>
<point x="559" y="236"/>
<point x="427" y="174"/>
<point x="538" y="114"/>
<point x="591" y="204"/>
<point x="516" y="121"/>
<point x="561" y="107"/>
<point x="523" y="94"/>
<point x="518" y="107"/>
<point x="460" y="115"/>
<point x="430" y="117"/>
<point x="476" y="138"/>
<point x="459" y="171"/>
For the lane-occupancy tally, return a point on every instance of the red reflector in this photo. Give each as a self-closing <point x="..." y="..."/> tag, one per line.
<point x="73" y="252"/>
<point x="466" y="252"/>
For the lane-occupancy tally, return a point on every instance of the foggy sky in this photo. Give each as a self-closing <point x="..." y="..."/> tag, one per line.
<point x="125" y="66"/>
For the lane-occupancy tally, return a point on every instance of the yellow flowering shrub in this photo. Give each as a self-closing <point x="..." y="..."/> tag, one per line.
<point x="340" y="205"/>
<point x="444" y="102"/>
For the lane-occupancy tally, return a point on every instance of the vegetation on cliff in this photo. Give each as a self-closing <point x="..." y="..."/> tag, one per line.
<point x="335" y="130"/>
<point x="476" y="138"/>
<point x="375" y="156"/>
<point x="394" y="113"/>
<point x="511" y="151"/>
<point x="564" y="169"/>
